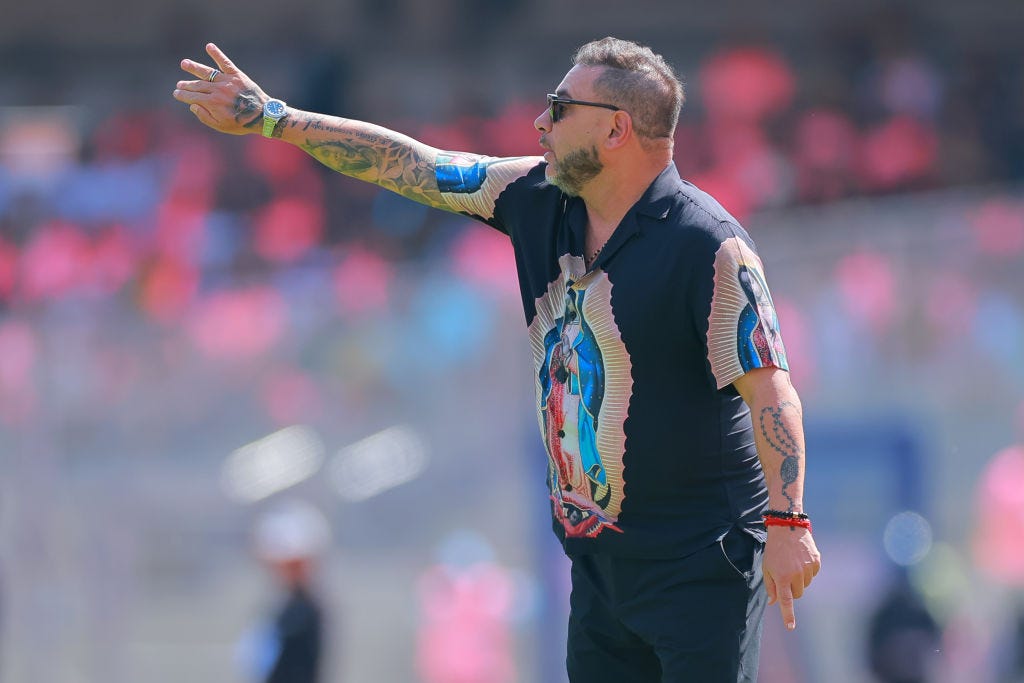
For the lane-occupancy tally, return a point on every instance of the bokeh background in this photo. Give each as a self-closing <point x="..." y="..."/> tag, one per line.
<point x="195" y="328"/>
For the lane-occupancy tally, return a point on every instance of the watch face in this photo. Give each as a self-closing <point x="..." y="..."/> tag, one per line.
<point x="274" y="109"/>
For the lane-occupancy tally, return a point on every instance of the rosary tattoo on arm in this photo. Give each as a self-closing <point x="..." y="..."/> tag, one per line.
<point x="774" y="431"/>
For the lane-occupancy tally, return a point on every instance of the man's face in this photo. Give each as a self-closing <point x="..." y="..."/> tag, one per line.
<point x="573" y="157"/>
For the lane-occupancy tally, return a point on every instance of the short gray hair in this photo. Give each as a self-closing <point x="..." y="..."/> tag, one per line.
<point x="637" y="80"/>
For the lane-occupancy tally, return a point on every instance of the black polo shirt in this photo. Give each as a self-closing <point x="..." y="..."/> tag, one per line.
<point x="650" y="448"/>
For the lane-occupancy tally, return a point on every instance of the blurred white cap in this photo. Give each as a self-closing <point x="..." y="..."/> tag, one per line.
<point x="291" y="530"/>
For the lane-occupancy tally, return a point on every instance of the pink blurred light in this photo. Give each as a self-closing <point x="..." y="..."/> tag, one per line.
<point x="53" y="263"/>
<point x="362" y="282"/>
<point x="998" y="226"/>
<point x="748" y="83"/>
<point x="288" y="228"/>
<point x="238" y="325"/>
<point x="868" y="288"/>
<point x="897" y="153"/>
<point x="485" y="258"/>
<point x="465" y="636"/>
<point x="998" y="550"/>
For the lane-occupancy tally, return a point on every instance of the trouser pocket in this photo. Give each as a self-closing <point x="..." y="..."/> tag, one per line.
<point x="738" y="549"/>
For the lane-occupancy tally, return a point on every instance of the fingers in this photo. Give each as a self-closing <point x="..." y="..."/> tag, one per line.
<point x="203" y="72"/>
<point x="200" y="71"/>
<point x="195" y="86"/>
<point x="786" y="608"/>
<point x="190" y="96"/>
<point x="225" y="64"/>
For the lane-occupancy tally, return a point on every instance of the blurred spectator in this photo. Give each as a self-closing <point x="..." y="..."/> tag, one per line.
<point x="902" y="636"/>
<point x="289" y="540"/>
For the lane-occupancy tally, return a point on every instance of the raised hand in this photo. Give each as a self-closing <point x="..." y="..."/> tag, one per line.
<point x="223" y="97"/>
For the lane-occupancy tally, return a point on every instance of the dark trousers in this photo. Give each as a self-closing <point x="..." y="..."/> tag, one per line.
<point x="691" y="620"/>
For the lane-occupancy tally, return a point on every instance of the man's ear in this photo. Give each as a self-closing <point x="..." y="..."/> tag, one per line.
<point x="621" y="130"/>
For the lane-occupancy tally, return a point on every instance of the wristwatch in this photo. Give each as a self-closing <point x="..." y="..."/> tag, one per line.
<point x="273" y="111"/>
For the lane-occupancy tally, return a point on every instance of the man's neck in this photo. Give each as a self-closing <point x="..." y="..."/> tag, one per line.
<point x="610" y="196"/>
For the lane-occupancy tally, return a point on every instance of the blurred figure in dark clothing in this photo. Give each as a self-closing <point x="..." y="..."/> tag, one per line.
<point x="290" y="540"/>
<point x="903" y="637"/>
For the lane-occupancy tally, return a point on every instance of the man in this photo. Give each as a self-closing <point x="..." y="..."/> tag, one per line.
<point x="675" y="422"/>
<point x="290" y="541"/>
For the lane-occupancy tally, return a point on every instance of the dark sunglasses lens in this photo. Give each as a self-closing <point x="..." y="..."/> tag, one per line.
<point x="557" y="109"/>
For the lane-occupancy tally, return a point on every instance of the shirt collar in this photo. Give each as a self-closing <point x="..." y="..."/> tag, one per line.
<point x="656" y="202"/>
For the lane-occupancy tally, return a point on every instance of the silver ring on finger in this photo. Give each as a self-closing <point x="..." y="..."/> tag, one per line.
<point x="213" y="75"/>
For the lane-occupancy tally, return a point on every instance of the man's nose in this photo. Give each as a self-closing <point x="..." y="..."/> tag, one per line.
<point x="543" y="122"/>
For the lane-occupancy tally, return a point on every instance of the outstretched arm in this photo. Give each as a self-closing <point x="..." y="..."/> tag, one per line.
<point x="791" y="559"/>
<point x="233" y="103"/>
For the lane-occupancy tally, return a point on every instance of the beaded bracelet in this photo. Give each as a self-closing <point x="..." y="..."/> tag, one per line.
<point x="779" y="514"/>
<point x="786" y="518"/>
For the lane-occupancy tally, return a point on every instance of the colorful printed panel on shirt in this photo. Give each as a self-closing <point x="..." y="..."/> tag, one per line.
<point x="584" y="382"/>
<point x="743" y="328"/>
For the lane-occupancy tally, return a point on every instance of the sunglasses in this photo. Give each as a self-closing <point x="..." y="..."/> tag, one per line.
<point x="557" y="104"/>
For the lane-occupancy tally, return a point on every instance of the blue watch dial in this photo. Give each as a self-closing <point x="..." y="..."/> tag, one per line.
<point x="275" y="109"/>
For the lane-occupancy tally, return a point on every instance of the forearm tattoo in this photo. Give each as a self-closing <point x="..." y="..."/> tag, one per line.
<point x="248" y="110"/>
<point x="777" y="435"/>
<point x="393" y="162"/>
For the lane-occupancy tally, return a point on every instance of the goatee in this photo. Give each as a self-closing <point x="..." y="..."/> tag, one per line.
<point x="576" y="169"/>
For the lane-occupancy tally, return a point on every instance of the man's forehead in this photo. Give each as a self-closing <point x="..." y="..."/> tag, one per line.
<point x="578" y="81"/>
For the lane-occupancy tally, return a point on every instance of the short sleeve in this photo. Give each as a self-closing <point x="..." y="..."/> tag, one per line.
<point x="742" y="327"/>
<point x="471" y="184"/>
